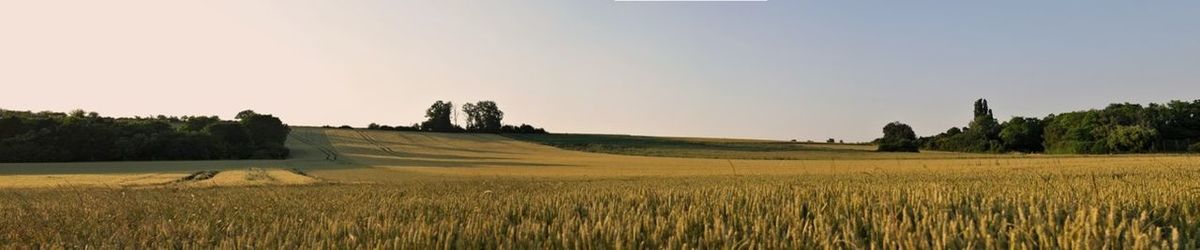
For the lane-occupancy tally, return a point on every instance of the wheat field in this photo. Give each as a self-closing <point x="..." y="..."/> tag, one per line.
<point x="373" y="189"/>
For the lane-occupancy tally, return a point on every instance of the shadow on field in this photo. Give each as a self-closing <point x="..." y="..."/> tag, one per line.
<point x="421" y="140"/>
<point x="424" y="149"/>
<point x="402" y="155"/>
<point x="331" y="149"/>
<point x="392" y="161"/>
<point x="125" y="167"/>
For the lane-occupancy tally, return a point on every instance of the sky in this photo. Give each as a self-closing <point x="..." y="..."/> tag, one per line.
<point x="777" y="69"/>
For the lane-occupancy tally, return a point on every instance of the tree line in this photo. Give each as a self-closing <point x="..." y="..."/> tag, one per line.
<point x="482" y="117"/>
<point x="82" y="136"/>
<point x="1118" y="128"/>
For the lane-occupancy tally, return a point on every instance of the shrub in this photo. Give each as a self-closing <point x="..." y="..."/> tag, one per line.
<point x="898" y="137"/>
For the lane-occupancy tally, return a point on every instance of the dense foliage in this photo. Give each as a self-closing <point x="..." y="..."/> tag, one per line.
<point x="438" y="116"/>
<point x="79" y="136"/>
<point x="898" y="137"/>
<point x="482" y="117"/>
<point x="376" y="126"/>
<point x="1118" y="128"/>
<point x="981" y="135"/>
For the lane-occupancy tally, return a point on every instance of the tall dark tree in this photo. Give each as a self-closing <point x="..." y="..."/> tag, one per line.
<point x="984" y="122"/>
<point x="483" y="116"/>
<point x="268" y="134"/>
<point x="232" y="139"/>
<point x="981" y="135"/>
<point x="898" y="137"/>
<point x="438" y="117"/>
<point x="1022" y="135"/>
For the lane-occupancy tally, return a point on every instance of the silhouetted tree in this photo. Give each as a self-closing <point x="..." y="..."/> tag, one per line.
<point x="1022" y="135"/>
<point x="86" y="136"/>
<point x="438" y="118"/>
<point x="268" y="134"/>
<point x="523" y="129"/>
<point x="981" y="135"/>
<point x="898" y="137"/>
<point x="244" y="114"/>
<point x="232" y="139"/>
<point x="984" y="122"/>
<point x="484" y="116"/>
<point x="198" y="123"/>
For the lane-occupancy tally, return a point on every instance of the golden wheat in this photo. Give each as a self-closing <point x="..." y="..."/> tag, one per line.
<point x="465" y="191"/>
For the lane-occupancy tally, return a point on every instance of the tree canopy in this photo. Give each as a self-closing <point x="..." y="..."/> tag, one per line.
<point x="1118" y="128"/>
<point x="438" y="118"/>
<point x="483" y="116"/>
<point x="898" y="137"/>
<point x="87" y="136"/>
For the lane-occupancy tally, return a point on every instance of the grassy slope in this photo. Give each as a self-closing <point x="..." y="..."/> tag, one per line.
<point x="307" y="145"/>
<point x="339" y="155"/>
<point x="423" y="190"/>
<point x="721" y="148"/>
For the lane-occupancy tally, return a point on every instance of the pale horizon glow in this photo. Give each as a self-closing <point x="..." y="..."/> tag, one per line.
<point x="779" y="70"/>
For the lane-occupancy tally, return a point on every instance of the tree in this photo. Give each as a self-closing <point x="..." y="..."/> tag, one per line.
<point x="831" y="140"/>
<point x="898" y="137"/>
<point x="438" y="117"/>
<point x="484" y="116"/>
<point x="984" y="122"/>
<point x="1022" y="135"/>
<point x="267" y="135"/>
<point x="86" y="136"/>
<point x="232" y="139"/>
<point x="981" y="135"/>
<point x="198" y="123"/>
<point x="1131" y="139"/>
<point x="244" y="114"/>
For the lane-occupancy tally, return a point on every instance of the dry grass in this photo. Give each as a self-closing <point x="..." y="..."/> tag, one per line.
<point x="421" y="190"/>
<point x="992" y="209"/>
<point x="492" y="155"/>
<point x="70" y="180"/>
<point x="253" y="177"/>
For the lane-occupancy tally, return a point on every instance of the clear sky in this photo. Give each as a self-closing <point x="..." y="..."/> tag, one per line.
<point x="777" y="69"/>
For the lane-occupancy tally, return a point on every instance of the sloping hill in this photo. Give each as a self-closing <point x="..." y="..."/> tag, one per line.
<point x="386" y="156"/>
<point x="720" y="148"/>
<point x="353" y="156"/>
<point x="310" y="150"/>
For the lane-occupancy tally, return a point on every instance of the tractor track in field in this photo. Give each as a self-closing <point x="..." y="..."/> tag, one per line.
<point x="440" y="141"/>
<point x="330" y="153"/>
<point x="375" y="142"/>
